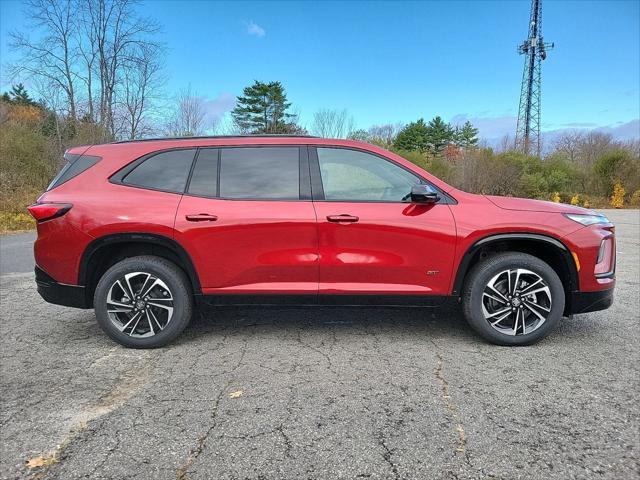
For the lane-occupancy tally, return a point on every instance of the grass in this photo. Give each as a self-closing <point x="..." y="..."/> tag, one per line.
<point x="14" y="216"/>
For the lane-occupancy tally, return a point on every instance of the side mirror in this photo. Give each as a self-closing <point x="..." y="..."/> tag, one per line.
<point x="423" y="194"/>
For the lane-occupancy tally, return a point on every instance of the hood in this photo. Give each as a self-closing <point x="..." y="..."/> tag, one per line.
<point x="525" y="204"/>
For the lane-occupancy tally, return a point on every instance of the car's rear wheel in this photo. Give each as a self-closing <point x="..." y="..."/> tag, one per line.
<point x="513" y="299"/>
<point x="143" y="302"/>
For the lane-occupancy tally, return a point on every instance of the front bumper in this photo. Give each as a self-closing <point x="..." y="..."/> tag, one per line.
<point x="583" y="302"/>
<point x="60" y="293"/>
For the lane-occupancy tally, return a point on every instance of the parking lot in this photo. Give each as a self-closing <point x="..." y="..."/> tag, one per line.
<point x="373" y="393"/>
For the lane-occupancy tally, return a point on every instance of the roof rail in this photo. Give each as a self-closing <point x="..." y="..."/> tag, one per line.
<point x="283" y="135"/>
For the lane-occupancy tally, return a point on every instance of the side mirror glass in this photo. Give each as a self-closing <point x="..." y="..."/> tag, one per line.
<point x="423" y="194"/>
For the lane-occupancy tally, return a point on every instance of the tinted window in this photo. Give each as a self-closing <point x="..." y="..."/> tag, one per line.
<point x="204" y="179"/>
<point x="165" y="171"/>
<point x="351" y="175"/>
<point x="264" y="172"/>
<point x="74" y="167"/>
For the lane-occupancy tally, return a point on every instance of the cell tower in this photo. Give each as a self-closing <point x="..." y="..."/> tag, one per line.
<point x="535" y="50"/>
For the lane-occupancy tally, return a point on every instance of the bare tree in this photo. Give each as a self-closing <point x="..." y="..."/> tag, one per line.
<point x="52" y="56"/>
<point x="188" y="115"/>
<point x="101" y="54"/>
<point x="593" y="145"/>
<point x="142" y="80"/>
<point x="115" y="33"/>
<point x="568" y="144"/>
<point x="384" y="134"/>
<point x="507" y="143"/>
<point x="332" y="123"/>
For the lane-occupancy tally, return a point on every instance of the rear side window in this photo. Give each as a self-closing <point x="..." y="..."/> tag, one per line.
<point x="166" y="171"/>
<point x="204" y="179"/>
<point x="260" y="173"/>
<point x="76" y="164"/>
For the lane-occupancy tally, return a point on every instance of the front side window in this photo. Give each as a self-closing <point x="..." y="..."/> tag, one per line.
<point x="166" y="171"/>
<point x="271" y="173"/>
<point x="352" y="175"/>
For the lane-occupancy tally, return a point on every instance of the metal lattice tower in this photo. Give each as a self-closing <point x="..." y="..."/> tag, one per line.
<point x="535" y="50"/>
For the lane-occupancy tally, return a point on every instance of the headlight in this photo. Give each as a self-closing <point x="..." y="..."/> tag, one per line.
<point x="587" y="219"/>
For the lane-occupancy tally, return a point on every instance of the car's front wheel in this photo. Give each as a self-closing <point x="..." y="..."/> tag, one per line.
<point x="143" y="302"/>
<point x="513" y="299"/>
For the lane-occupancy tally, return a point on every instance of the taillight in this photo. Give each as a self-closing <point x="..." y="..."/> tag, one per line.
<point x="48" y="211"/>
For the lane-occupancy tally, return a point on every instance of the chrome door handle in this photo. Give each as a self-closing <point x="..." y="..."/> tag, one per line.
<point x="342" y="218"/>
<point x="201" y="217"/>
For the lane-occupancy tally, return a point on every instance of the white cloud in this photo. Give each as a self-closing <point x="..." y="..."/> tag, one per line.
<point x="490" y="128"/>
<point x="216" y="108"/>
<point x="255" y="29"/>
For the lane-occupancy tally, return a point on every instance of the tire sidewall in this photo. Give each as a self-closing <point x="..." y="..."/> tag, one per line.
<point x="480" y="277"/>
<point x="168" y="273"/>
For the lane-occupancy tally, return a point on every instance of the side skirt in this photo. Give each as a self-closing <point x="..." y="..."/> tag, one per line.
<point x="326" y="300"/>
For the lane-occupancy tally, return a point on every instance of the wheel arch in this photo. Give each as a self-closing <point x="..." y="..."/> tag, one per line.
<point x="105" y="251"/>
<point x="547" y="248"/>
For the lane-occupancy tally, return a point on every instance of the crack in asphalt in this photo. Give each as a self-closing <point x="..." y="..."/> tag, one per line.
<point x="130" y="383"/>
<point x="461" y="444"/>
<point x="318" y="351"/>
<point x="287" y="441"/>
<point x="182" y="471"/>
<point x="387" y="455"/>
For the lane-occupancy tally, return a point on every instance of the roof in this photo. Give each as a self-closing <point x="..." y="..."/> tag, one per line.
<point x="199" y="137"/>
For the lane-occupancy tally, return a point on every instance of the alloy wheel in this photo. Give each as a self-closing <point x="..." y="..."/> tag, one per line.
<point x="140" y="304"/>
<point x="516" y="301"/>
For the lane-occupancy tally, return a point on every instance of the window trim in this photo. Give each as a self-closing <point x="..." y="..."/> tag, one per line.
<point x="118" y="177"/>
<point x="304" y="176"/>
<point x="318" y="189"/>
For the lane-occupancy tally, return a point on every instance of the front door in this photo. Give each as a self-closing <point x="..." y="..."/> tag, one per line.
<point x="248" y="222"/>
<point x="372" y="241"/>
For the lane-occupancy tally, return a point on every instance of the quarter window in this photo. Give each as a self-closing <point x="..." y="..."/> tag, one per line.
<point x="75" y="166"/>
<point x="352" y="175"/>
<point x="260" y="173"/>
<point x="167" y="171"/>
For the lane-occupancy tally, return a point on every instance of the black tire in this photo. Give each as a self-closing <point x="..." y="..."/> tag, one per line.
<point x="181" y="299"/>
<point x="482" y="274"/>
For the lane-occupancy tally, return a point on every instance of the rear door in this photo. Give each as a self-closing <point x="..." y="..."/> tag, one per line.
<point x="248" y="221"/>
<point x="372" y="240"/>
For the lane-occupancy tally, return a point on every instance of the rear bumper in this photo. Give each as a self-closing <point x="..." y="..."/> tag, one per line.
<point x="583" y="302"/>
<point x="60" y="293"/>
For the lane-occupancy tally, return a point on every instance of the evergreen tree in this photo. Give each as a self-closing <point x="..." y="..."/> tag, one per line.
<point x="19" y="95"/>
<point x="413" y="137"/>
<point x="439" y="134"/>
<point x="263" y="109"/>
<point x="467" y="135"/>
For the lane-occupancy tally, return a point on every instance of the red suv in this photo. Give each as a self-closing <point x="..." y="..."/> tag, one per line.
<point x="144" y="231"/>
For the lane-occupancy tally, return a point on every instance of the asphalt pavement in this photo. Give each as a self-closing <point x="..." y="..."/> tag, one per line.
<point x="318" y="393"/>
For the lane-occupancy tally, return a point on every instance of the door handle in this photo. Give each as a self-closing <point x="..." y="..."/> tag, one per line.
<point x="201" y="217"/>
<point x="343" y="218"/>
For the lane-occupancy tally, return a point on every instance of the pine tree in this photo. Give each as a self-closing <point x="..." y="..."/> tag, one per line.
<point x="439" y="134"/>
<point x="19" y="95"/>
<point x="263" y="109"/>
<point x="413" y="137"/>
<point x="467" y="135"/>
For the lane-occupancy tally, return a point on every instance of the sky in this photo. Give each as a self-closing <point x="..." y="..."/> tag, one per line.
<point x="389" y="62"/>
